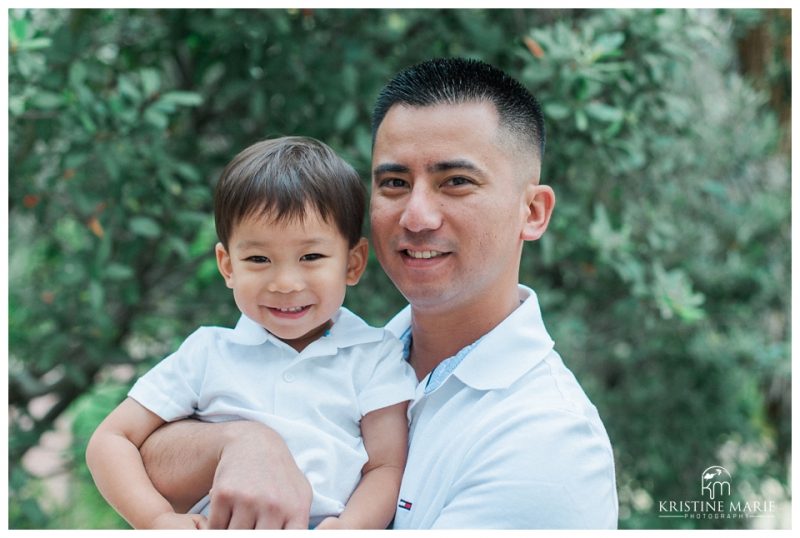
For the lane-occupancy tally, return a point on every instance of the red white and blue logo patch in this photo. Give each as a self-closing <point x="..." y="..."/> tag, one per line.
<point x="404" y="504"/>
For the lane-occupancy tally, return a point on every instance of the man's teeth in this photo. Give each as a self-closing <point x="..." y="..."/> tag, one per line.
<point x="292" y="309"/>
<point x="424" y="253"/>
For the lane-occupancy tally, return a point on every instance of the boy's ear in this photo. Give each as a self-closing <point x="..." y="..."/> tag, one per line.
<point x="357" y="261"/>
<point x="224" y="264"/>
<point x="538" y="208"/>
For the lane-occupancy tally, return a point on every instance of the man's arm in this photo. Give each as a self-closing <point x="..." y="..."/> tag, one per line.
<point x="255" y="481"/>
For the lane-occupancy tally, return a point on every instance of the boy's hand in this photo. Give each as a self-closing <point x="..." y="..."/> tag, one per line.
<point x="330" y="523"/>
<point x="172" y="520"/>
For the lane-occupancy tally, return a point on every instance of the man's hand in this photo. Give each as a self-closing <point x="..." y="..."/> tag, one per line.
<point x="257" y="484"/>
<point x="172" y="520"/>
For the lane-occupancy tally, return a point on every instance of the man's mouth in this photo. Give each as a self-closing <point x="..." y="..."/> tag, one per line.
<point x="423" y="254"/>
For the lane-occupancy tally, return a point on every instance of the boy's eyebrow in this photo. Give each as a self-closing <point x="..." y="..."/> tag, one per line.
<point x="253" y="243"/>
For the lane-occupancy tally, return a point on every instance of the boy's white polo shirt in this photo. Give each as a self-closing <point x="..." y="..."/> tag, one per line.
<point x="314" y="399"/>
<point x="507" y="440"/>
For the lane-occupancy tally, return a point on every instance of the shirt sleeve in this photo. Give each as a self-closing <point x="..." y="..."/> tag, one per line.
<point x="171" y="388"/>
<point x="544" y="469"/>
<point x="392" y="380"/>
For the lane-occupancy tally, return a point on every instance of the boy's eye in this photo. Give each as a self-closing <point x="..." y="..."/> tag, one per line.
<point x="311" y="257"/>
<point x="257" y="259"/>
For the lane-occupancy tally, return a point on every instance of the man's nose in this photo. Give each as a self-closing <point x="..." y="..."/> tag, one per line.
<point x="422" y="210"/>
<point x="285" y="280"/>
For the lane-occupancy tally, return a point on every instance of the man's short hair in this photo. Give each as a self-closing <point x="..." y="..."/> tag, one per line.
<point x="459" y="80"/>
<point x="281" y="179"/>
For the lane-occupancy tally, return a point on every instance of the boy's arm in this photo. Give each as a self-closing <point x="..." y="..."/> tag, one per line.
<point x="372" y="504"/>
<point x="116" y="466"/>
<point x="256" y="481"/>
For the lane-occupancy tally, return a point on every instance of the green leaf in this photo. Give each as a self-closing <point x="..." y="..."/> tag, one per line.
<point x="187" y="171"/>
<point x="46" y="100"/>
<point x="608" y="43"/>
<point x="556" y="110"/>
<point x="581" y="121"/>
<point x="127" y="88"/>
<point x="151" y="80"/>
<point x="117" y="271"/>
<point x="96" y="295"/>
<point x="603" y="112"/>
<point x="156" y="118"/>
<point x="145" y="226"/>
<point x="346" y="117"/>
<point x="181" y="98"/>
<point x="18" y="31"/>
<point x="35" y="44"/>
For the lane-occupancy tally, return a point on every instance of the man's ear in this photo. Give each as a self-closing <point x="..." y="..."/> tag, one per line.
<point x="539" y="203"/>
<point x="224" y="264"/>
<point x="357" y="261"/>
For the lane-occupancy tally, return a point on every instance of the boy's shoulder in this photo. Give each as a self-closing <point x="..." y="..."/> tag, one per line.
<point x="351" y="330"/>
<point x="246" y="332"/>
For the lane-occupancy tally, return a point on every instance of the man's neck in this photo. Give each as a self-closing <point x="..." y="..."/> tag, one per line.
<point x="438" y="335"/>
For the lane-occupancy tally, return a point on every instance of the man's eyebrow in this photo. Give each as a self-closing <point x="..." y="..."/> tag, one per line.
<point x="441" y="166"/>
<point x="390" y="167"/>
<point x="444" y="166"/>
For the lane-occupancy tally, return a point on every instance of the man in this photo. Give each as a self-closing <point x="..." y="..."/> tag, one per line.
<point x="502" y="435"/>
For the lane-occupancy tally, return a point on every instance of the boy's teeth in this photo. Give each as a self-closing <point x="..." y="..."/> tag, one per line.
<point x="423" y="253"/>
<point x="292" y="309"/>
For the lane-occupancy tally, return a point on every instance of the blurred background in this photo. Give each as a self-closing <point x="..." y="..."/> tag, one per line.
<point x="664" y="277"/>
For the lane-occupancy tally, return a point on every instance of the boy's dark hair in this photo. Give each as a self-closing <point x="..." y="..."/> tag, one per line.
<point x="281" y="178"/>
<point x="460" y="80"/>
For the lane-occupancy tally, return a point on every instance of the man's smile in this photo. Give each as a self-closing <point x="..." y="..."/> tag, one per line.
<point x="418" y="254"/>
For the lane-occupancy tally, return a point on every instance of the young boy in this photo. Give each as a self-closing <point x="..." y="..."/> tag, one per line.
<point x="288" y="215"/>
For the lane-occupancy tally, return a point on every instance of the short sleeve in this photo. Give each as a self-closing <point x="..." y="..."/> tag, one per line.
<point x="171" y="388"/>
<point x="546" y="469"/>
<point x="392" y="379"/>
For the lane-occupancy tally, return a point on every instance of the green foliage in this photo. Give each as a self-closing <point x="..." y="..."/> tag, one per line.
<point x="663" y="276"/>
<point x="668" y="244"/>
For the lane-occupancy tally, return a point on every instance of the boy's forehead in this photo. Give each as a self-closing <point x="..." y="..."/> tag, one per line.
<point x="272" y="225"/>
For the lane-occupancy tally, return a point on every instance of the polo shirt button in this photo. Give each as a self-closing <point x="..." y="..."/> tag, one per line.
<point x="288" y="377"/>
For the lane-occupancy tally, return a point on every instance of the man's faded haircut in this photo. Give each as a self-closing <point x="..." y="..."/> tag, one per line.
<point x="283" y="178"/>
<point x="454" y="81"/>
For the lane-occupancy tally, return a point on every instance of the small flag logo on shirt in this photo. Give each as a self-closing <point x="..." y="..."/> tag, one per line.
<point x="406" y="505"/>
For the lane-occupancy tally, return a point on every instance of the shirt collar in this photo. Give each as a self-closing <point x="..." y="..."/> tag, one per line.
<point x="347" y="330"/>
<point x="506" y="352"/>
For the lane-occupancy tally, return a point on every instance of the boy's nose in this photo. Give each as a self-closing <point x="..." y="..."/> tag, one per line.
<point x="285" y="281"/>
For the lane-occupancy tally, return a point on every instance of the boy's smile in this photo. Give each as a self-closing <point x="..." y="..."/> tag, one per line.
<point x="290" y="276"/>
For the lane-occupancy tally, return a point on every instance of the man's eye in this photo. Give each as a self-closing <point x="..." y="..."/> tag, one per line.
<point x="459" y="180"/>
<point x="311" y="257"/>
<point x="257" y="259"/>
<point x="394" y="183"/>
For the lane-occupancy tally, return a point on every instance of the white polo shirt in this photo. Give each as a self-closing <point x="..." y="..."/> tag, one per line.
<point x="314" y="399"/>
<point x="505" y="438"/>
